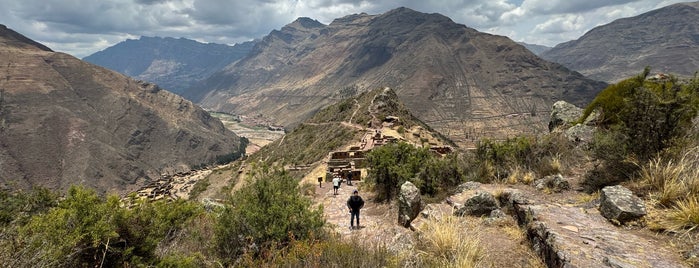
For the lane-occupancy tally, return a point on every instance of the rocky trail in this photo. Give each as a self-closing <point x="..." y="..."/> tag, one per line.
<point x="537" y="229"/>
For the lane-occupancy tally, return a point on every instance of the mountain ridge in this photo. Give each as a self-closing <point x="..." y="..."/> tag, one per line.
<point x="666" y="39"/>
<point x="172" y="63"/>
<point x="448" y="74"/>
<point x="64" y="121"/>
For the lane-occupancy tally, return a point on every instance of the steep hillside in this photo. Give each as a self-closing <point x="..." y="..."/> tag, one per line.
<point x="174" y="64"/>
<point x="461" y="82"/>
<point x="64" y="121"/>
<point x="666" y="39"/>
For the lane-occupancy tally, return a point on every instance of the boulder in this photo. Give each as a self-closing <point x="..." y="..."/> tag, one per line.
<point x="564" y="115"/>
<point x="409" y="203"/>
<point x="554" y="182"/>
<point x="482" y="203"/>
<point x="620" y="205"/>
<point x="580" y="134"/>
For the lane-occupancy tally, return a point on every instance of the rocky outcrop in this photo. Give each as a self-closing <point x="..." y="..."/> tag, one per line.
<point x="564" y="115"/>
<point x="555" y="183"/>
<point x="565" y="118"/>
<point x="482" y="203"/>
<point x="409" y="203"/>
<point x="620" y="205"/>
<point x="574" y="236"/>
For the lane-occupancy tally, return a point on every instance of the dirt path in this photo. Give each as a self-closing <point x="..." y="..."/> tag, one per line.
<point x="378" y="222"/>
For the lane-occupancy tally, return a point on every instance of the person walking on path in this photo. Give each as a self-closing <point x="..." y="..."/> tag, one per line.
<point x="355" y="203"/>
<point x="336" y="184"/>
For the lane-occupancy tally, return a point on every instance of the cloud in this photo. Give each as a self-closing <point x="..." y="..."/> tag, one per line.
<point x="548" y="7"/>
<point x="82" y="27"/>
<point x="561" y="24"/>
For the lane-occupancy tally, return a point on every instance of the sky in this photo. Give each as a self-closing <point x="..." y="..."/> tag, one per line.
<point x="83" y="27"/>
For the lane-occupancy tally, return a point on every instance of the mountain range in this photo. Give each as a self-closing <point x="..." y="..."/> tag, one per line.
<point x="173" y="64"/>
<point x="64" y="121"/>
<point x="666" y="39"/>
<point x="464" y="83"/>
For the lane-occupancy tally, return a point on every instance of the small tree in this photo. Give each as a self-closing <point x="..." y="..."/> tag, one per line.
<point x="268" y="212"/>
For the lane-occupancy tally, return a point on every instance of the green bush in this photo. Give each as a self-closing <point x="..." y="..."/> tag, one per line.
<point x="85" y="229"/>
<point x="650" y="115"/>
<point x="18" y="207"/>
<point x="497" y="159"/>
<point x="393" y="164"/>
<point x="266" y="213"/>
<point x="640" y="119"/>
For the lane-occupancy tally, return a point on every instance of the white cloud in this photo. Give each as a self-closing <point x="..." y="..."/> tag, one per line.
<point x="82" y="27"/>
<point x="561" y="24"/>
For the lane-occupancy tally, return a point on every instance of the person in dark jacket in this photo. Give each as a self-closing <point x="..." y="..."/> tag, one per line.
<point x="355" y="203"/>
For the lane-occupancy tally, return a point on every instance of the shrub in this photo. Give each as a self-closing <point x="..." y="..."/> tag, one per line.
<point x="498" y="159"/>
<point x="648" y="114"/>
<point x="393" y="164"/>
<point x="18" y="207"/>
<point x="88" y="230"/>
<point x="266" y="213"/>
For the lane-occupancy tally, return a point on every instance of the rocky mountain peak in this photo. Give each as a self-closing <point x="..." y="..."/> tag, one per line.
<point x="306" y="22"/>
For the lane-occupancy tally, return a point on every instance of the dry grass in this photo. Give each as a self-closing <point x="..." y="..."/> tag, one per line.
<point x="447" y="242"/>
<point x="550" y="165"/>
<point x="683" y="216"/>
<point x="674" y="185"/>
<point x="520" y="175"/>
<point x="672" y="181"/>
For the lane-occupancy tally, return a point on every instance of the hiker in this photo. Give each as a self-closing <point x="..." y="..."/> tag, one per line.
<point x="355" y="203"/>
<point x="336" y="184"/>
<point x="349" y="178"/>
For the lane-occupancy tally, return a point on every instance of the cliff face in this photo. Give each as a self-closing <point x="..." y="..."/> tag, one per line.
<point x="64" y="121"/>
<point x="666" y="39"/>
<point x="173" y="64"/>
<point x="463" y="83"/>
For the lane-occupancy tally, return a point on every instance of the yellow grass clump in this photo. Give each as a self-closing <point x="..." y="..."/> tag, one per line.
<point x="448" y="242"/>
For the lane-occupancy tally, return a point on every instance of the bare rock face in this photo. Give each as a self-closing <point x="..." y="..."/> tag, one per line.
<point x="664" y="39"/>
<point x="620" y="205"/>
<point x="64" y="121"/>
<point x="447" y="74"/>
<point x="482" y="203"/>
<point x="409" y="203"/>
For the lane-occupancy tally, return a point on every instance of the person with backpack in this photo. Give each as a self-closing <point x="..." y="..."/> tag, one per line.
<point x="355" y="203"/>
<point x="336" y="184"/>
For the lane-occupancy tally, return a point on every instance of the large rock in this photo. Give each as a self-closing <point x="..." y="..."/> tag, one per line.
<point x="580" y="133"/>
<point x="482" y="203"/>
<point x="619" y="205"/>
<point x="564" y="115"/>
<point x="409" y="203"/>
<point x="555" y="183"/>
